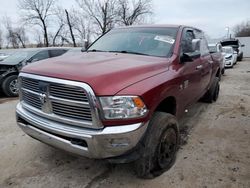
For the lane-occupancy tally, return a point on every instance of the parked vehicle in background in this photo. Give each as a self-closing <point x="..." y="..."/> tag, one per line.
<point x="120" y="100"/>
<point x="3" y="56"/>
<point x="10" y="66"/>
<point x="235" y="44"/>
<point x="217" y="55"/>
<point x="230" y="56"/>
<point x="73" y="51"/>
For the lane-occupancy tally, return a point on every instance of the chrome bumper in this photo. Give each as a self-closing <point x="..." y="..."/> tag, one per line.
<point x="100" y="143"/>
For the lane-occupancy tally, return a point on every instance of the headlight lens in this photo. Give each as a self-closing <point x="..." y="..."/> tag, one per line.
<point x="229" y="57"/>
<point x="120" y="107"/>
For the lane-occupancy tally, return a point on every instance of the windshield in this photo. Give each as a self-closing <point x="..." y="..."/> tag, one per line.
<point x="141" y="41"/>
<point x="19" y="56"/>
<point x="227" y="50"/>
<point x="212" y="49"/>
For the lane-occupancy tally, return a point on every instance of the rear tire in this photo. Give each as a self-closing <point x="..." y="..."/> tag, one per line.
<point x="10" y="86"/>
<point x="213" y="93"/>
<point x="159" y="146"/>
<point x="223" y="71"/>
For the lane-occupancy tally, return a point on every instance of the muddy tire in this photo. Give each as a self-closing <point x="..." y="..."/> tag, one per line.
<point x="10" y="87"/>
<point x="159" y="146"/>
<point x="213" y="93"/>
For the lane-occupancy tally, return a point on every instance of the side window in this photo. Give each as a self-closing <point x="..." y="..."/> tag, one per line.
<point x="186" y="42"/>
<point x="204" y="47"/>
<point x="54" y="53"/>
<point x="40" y="56"/>
<point x="204" y="50"/>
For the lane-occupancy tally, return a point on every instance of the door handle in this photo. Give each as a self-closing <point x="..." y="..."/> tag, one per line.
<point x="199" y="67"/>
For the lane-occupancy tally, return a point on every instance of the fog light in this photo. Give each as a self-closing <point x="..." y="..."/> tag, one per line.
<point x="118" y="142"/>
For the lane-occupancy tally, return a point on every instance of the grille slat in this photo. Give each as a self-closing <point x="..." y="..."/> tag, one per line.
<point x="73" y="116"/>
<point x="60" y="91"/>
<point x="84" y="111"/>
<point x="77" y="115"/>
<point x="71" y="112"/>
<point x="31" y="100"/>
<point x="70" y="97"/>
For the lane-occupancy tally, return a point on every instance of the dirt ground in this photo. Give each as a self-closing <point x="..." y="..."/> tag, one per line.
<point x="215" y="149"/>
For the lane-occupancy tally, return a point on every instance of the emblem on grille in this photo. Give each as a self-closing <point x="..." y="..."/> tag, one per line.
<point x="43" y="98"/>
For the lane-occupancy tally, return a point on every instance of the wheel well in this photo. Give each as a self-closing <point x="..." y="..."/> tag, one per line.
<point x="6" y="76"/>
<point x="168" y="105"/>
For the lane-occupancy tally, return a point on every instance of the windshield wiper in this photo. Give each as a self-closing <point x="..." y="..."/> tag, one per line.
<point x="94" y="50"/>
<point x="128" y="52"/>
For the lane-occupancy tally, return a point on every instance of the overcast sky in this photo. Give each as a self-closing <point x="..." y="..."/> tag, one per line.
<point x="213" y="16"/>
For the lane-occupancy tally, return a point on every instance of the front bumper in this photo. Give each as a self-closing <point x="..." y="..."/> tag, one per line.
<point x="229" y="63"/>
<point x="93" y="143"/>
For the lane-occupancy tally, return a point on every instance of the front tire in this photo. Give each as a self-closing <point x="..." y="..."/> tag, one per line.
<point x="159" y="146"/>
<point x="10" y="86"/>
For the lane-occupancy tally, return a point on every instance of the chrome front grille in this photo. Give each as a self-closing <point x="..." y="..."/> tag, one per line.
<point x="30" y="84"/>
<point x="67" y="103"/>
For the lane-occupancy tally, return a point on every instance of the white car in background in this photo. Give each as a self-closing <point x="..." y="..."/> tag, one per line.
<point x="217" y="55"/>
<point x="230" y="56"/>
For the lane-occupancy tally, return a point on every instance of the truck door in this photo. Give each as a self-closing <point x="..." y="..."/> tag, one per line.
<point x="190" y="70"/>
<point x="205" y="65"/>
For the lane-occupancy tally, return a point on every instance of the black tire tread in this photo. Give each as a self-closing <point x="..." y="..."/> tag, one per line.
<point x="5" y="86"/>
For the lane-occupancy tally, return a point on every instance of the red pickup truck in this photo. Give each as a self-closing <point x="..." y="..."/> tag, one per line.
<point x="120" y="100"/>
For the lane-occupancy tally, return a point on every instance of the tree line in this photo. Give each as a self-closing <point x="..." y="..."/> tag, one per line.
<point x="53" y="25"/>
<point x="242" y="29"/>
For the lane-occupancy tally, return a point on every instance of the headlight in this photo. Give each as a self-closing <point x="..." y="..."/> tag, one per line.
<point x="229" y="57"/>
<point x="120" y="107"/>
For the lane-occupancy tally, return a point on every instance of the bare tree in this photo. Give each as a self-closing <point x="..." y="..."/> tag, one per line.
<point x="11" y="38"/>
<point x="75" y="26"/>
<point x="242" y="30"/>
<point x="38" y="12"/>
<point x="133" y="12"/>
<point x="70" y="28"/>
<point x="103" y="13"/>
<point x="83" y="29"/>
<point x="15" y="36"/>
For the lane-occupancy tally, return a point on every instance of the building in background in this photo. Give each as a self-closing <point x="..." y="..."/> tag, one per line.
<point x="246" y="48"/>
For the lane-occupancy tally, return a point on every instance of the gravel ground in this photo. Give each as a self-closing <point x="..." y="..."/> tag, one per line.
<point x="215" y="149"/>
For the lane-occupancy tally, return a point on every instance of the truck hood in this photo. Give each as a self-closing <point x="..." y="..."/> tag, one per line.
<point x="106" y="73"/>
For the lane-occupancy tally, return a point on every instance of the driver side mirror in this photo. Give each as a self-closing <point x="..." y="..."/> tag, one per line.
<point x="194" y="52"/>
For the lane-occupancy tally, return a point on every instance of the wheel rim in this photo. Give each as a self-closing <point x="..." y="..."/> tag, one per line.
<point x="13" y="86"/>
<point x="167" y="148"/>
